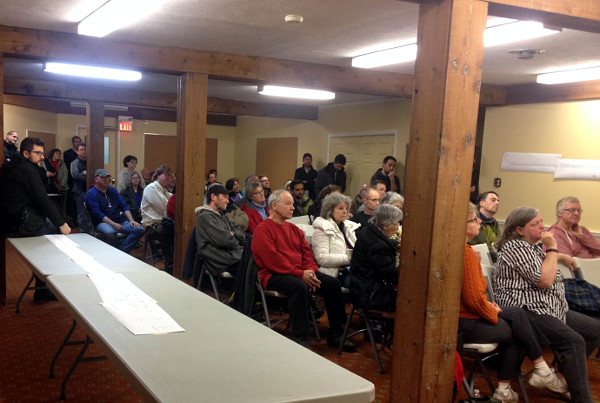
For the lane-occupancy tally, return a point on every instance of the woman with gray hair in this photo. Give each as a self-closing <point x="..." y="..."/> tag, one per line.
<point x="529" y="278"/>
<point x="373" y="266"/>
<point x="334" y="236"/>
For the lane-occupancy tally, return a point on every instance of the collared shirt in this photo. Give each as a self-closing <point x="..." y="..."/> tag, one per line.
<point x="154" y="204"/>
<point x="518" y="272"/>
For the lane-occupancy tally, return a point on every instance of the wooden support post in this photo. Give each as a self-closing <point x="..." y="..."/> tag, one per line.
<point x="192" y="95"/>
<point x="442" y="140"/>
<point x="95" y="139"/>
<point x="2" y="242"/>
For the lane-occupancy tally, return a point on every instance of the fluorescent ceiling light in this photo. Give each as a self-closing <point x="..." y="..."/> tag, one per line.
<point x="401" y="54"/>
<point x="82" y="9"/>
<point x="111" y="107"/>
<point x="289" y="92"/>
<point x="93" y="72"/>
<point x="494" y="35"/>
<point x="515" y="32"/>
<point x="570" y="76"/>
<point x="116" y="14"/>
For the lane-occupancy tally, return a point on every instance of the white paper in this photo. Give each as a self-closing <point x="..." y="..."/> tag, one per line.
<point x="115" y="287"/>
<point x="530" y="162"/>
<point x="142" y="317"/>
<point x="578" y="169"/>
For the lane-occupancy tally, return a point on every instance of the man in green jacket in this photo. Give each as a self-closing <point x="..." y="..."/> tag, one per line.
<point x="488" y="203"/>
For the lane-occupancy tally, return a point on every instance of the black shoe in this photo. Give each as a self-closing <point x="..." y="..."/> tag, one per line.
<point x="334" y="341"/>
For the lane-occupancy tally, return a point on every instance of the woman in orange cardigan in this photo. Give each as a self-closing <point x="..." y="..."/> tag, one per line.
<point x="482" y="321"/>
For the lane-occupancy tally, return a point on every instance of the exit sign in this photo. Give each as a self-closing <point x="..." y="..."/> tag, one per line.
<point x="125" y="123"/>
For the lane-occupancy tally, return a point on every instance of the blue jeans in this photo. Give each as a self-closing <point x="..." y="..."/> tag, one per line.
<point x="133" y="235"/>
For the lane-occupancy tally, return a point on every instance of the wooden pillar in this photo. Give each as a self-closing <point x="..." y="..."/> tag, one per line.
<point x="192" y="107"/>
<point x="95" y="139"/>
<point x="442" y="140"/>
<point x="2" y="241"/>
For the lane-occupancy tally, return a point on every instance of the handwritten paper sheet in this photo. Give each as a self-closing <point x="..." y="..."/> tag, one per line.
<point x="530" y="162"/>
<point x="578" y="169"/>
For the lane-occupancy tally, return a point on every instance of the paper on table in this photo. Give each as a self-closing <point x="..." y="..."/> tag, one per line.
<point x="578" y="169"/>
<point x="115" y="287"/>
<point x="530" y="162"/>
<point x="142" y="317"/>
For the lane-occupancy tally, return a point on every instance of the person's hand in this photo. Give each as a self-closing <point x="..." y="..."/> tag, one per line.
<point x="577" y="232"/>
<point x="50" y="174"/>
<point x="496" y="307"/>
<point x="65" y="229"/>
<point x="310" y="278"/>
<point x="117" y="226"/>
<point x="391" y="175"/>
<point x="568" y="261"/>
<point x="134" y="224"/>
<point x="548" y="240"/>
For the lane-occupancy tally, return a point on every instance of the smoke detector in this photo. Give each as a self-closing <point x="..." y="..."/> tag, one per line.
<point x="525" y="54"/>
<point x="293" y="19"/>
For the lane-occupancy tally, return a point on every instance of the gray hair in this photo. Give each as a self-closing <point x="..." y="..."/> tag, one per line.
<point x="275" y="197"/>
<point x="563" y="202"/>
<point x="330" y="201"/>
<point x="251" y="188"/>
<point x="473" y="209"/>
<point x="519" y="217"/>
<point x="392" y="197"/>
<point x="385" y="214"/>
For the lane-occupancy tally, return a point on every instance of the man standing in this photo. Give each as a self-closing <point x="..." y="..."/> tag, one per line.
<point x="111" y="215"/>
<point x="307" y="174"/>
<point x="10" y="146"/>
<point x="371" y="199"/>
<point x="25" y="208"/>
<point x="488" y="203"/>
<point x="69" y="156"/>
<point x="301" y="202"/>
<point x="332" y="174"/>
<point x="220" y="241"/>
<point x="286" y="264"/>
<point x="386" y="174"/>
<point x="78" y="170"/>
<point x="573" y="239"/>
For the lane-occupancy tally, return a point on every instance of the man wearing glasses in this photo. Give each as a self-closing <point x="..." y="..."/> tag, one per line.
<point x="371" y="199"/>
<point x="572" y="238"/>
<point x="26" y="209"/>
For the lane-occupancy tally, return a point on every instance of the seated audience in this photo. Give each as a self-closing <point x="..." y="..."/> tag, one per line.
<point x="488" y="203"/>
<point x="379" y="186"/>
<point x="233" y="186"/>
<point x="573" y="239"/>
<point x="211" y="177"/>
<point x="371" y="200"/>
<point x="386" y="174"/>
<point x="302" y="202"/>
<point x="110" y="214"/>
<point x="286" y="264"/>
<point x="316" y="208"/>
<point x="154" y="213"/>
<point x="395" y="199"/>
<point x="266" y="185"/>
<point x="254" y="205"/>
<point x="307" y="174"/>
<point x="146" y="177"/>
<point x="529" y="278"/>
<point x="220" y="241"/>
<point x="132" y="194"/>
<point x="374" y="273"/>
<point x="482" y="321"/>
<point x="357" y="200"/>
<point x="334" y="236"/>
<point x="130" y="163"/>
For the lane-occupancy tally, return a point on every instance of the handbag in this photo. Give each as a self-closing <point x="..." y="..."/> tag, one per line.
<point x="383" y="297"/>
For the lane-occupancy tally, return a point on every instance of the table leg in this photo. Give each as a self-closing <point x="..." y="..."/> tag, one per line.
<point x="27" y="288"/>
<point x="80" y="358"/>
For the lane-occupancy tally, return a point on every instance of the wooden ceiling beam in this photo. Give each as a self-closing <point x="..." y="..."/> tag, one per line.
<point x="151" y="99"/>
<point x="539" y="93"/>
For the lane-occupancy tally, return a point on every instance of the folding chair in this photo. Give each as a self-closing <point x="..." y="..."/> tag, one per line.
<point x="213" y="279"/>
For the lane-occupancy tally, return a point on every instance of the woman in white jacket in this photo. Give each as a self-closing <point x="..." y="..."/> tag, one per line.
<point x="334" y="237"/>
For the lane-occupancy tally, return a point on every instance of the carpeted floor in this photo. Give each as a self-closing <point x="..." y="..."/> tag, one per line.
<point x="28" y="341"/>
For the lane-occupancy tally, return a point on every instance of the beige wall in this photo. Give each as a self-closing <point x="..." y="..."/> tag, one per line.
<point x="21" y="119"/>
<point x="571" y="129"/>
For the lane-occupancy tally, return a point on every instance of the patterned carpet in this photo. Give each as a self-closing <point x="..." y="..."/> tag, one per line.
<point x="29" y="340"/>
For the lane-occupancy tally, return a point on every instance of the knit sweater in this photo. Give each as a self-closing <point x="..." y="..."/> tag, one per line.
<point x="473" y="301"/>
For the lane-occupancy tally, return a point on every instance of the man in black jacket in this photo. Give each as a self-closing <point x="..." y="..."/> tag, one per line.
<point x="307" y="174"/>
<point x="386" y="174"/>
<point x="10" y="146"/>
<point x="332" y="174"/>
<point x="25" y="208"/>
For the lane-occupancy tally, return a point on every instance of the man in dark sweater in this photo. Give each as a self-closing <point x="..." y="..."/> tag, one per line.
<point x="25" y="208"/>
<point x="332" y="174"/>
<point x="308" y="175"/>
<point x="69" y="156"/>
<point x="10" y="146"/>
<point x="387" y="175"/>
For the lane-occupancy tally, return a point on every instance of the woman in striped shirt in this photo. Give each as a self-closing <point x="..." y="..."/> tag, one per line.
<point x="529" y="278"/>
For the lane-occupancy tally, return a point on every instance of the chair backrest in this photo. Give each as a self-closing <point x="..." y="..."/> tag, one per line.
<point x="566" y="272"/>
<point x="91" y="229"/>
<point x="307" y="229"/>
<point x="488" y="273"/>
<point x="303" y="219"/>
<point x="590" y="270"/>
<point x="484" y="252"/>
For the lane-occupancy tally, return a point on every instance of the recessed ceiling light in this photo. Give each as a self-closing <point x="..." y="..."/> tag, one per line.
<point x="293" y="19"/>
<point x="290" y="92"/>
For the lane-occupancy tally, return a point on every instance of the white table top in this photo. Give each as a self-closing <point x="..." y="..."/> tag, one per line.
<point x="45" y="259"/>
<point x="223" y="356"/>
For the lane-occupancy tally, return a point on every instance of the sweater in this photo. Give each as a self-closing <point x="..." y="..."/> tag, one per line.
<point x="281" y="248"/>
<point x="109" y="204"/>
<point x="473" y="301"/>
<point x="586" y="247"/>
<point x="254" y="217"/>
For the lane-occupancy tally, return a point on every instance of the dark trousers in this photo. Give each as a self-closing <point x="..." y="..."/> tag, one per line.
<point x="164" y="232"/>
<point x="573" y="341"/>
<point x="513" y="332"/>
<point x="299" y="301"/>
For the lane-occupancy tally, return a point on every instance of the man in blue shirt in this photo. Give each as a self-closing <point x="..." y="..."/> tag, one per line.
<point x="110" y="214"/>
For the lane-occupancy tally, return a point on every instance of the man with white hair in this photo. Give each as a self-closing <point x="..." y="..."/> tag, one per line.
<point x="573" y="239"/>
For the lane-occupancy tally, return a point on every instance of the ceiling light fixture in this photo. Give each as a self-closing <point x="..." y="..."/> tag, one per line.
<point x="116" y="14"/>
<point x="293" y="19"/>
<point x="494" y="35"/>
<point x="290" y="92"/>
<point x="92" y="71"/>
<point x="569" y="76"/>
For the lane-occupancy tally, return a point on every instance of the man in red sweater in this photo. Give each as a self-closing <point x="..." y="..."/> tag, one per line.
<point x="286" y="264"/>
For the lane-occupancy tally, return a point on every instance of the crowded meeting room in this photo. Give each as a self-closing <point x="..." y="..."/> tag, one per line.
<point x="240" y="201"/>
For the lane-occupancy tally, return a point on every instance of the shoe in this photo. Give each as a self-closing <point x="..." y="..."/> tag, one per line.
<point x="506" y="396"/>
<point x="334" y="341"/>
<point x="550" y="382"/>
<point x="302" y="340"/>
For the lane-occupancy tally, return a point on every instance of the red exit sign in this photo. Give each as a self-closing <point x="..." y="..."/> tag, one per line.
<point x="125" y="126"/>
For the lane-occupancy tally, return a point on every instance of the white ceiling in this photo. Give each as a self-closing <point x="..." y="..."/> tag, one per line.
<point x="333" y="31"/>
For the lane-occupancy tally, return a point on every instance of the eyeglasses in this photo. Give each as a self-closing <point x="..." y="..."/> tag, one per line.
<point x="374" y="200"/>
<point x="573" y="210"/>
<point x="37" y="152"/>
<point x="262" y="192"/>
<point x="474" y="220"/>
